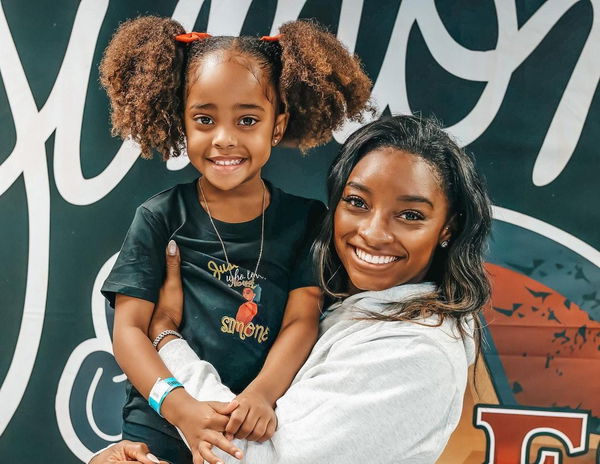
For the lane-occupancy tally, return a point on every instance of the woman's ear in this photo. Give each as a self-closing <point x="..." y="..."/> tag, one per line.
<point x="446" y="233"/>
<point x="281" y="121"/>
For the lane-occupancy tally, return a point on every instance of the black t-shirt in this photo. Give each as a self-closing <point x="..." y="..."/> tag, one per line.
<point x="230" y="318"/>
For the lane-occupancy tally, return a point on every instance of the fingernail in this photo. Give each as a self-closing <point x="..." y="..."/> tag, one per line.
<point x="150" y="455"/>
<point x="238" y="454"/>
<point x="172" y="250"/>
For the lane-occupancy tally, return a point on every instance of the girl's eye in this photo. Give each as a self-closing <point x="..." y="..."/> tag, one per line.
<point x="355" y="201"/>
<point x="411" y="216"/>
<point x="248" y="121"/>
<point x="205" y="120"/>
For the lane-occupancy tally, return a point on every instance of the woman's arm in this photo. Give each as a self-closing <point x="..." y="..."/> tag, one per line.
<point x="387" y="392"/>
<point x="393" y="395"/>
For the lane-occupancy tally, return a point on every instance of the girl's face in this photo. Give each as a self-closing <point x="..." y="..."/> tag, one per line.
<point x="392" y="216"/>
<point x="230" y="123"/>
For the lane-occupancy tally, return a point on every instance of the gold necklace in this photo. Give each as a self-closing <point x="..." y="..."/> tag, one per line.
<point x="262" y="229"/>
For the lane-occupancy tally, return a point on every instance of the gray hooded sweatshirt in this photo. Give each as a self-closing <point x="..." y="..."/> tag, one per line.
<point x="370" y="391"/>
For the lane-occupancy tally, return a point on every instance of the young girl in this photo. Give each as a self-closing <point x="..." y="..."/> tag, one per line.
<point x="251" y="301"/>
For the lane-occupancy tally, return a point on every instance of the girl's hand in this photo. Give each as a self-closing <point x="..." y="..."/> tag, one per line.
<point x="126" y="452"/>
<point x="168" y="311"/>
<point x="254" y="419"/>
<point x="202" y="424"/>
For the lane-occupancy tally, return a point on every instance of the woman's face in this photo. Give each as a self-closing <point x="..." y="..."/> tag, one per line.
<point x="392" y="216"/>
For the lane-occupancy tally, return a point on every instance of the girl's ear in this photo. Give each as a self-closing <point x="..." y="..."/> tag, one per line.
<point x="281" y="121"/>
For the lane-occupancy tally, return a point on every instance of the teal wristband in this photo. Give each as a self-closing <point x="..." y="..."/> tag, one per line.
<point x="160" y="390"/>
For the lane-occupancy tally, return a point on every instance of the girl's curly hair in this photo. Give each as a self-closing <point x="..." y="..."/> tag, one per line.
<point x="144" y="71"/>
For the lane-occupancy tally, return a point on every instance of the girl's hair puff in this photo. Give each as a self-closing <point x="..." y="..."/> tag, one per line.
<point x="146" y="72"/>
<point x="141" y="72"/>
<point x="321" y="83"/>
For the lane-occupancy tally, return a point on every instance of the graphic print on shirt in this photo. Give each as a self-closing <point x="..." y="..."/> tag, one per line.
<point x="242" y="325"/>
<point x="247" y="310"/>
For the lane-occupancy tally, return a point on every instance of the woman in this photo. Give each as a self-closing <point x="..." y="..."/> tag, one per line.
<point x="401" y="249"/>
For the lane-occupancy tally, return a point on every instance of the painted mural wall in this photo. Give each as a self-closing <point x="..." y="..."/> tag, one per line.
<point x="514" y="80"/>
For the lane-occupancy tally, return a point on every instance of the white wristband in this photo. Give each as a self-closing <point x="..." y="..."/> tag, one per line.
<point x="160" y="390"/>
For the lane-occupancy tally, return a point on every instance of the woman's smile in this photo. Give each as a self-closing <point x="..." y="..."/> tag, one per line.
<point x="373" y="259"/>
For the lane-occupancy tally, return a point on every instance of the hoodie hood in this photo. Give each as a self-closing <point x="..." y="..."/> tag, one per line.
<point x="382" y="301"/>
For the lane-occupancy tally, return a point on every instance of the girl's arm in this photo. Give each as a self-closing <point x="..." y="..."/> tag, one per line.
<point x="132" y="348"/>
<point x="197" y="421"/>
<point x="254" y="419"/>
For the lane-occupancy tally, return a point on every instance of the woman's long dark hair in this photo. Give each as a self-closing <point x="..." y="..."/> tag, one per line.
<point x="463" y="286"/>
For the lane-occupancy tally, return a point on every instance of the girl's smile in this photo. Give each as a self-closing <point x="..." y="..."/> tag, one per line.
<point x="391" y="218"/>
<point x="227" y="164"/>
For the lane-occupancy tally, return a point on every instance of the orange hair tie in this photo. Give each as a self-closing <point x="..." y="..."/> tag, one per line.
<point x="271" y="38"/>
<point x="192" y="37"/>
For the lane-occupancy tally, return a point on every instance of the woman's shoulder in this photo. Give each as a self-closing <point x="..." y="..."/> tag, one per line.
<point x="424" y="337"/>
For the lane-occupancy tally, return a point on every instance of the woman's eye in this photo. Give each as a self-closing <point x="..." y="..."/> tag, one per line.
<point x="205" y="120"/>
<point x="412" y="216"/>
<point x="248" y="121"/>
<point x="355" y="201"/>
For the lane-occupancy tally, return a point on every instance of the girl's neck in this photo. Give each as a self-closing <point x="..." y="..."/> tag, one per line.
<point x="241" y="204"/>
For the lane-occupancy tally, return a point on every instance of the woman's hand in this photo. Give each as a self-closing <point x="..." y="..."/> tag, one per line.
<point x="126" y="452"/>
<point x="254" y="419"/>
<point x="168" y="311"/>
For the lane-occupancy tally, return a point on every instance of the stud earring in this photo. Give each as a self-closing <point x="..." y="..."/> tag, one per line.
<point x="444" y="244"/>
<point x="275" y="141"/>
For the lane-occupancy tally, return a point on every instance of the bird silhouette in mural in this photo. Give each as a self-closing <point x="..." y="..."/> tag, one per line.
<point x="579" y="275"/>
<point x="507" y="312"/>
<point x="592" y="297"/>
<point x="543" y="295"/>
<point x="552" y="316"/>
<point x="527" y="270"/>
<point x="581" y="332"/>
<point x="562" y="335"/>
